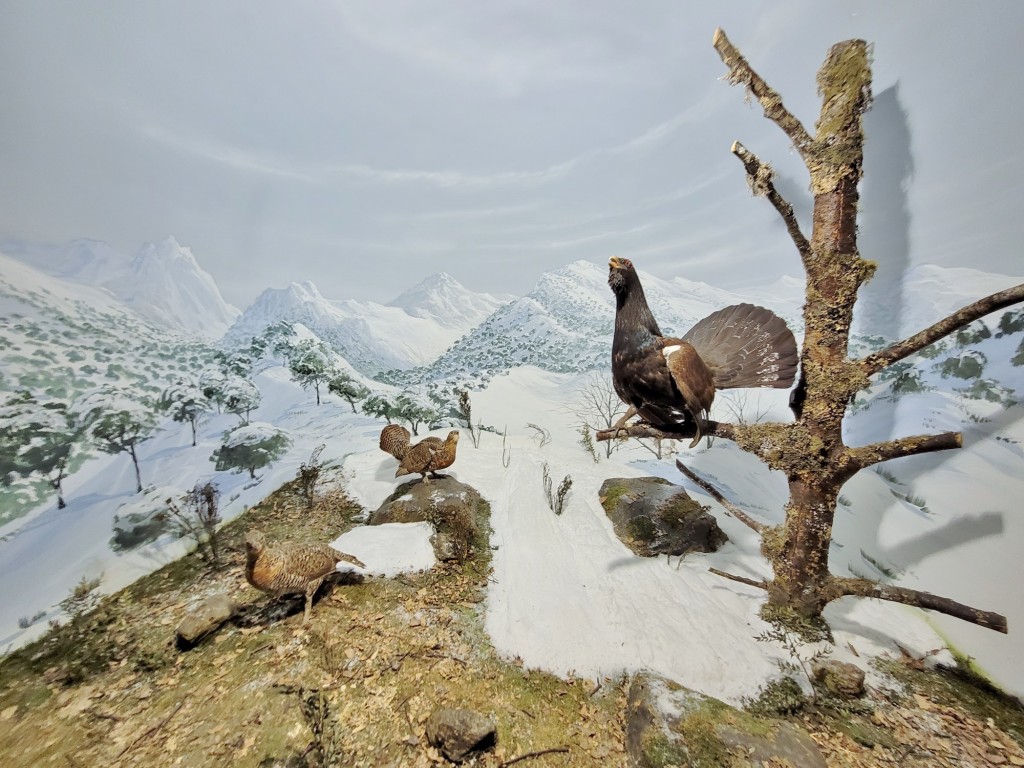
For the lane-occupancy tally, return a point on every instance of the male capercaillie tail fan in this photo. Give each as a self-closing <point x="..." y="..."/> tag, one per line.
<point x="671" y="382"/>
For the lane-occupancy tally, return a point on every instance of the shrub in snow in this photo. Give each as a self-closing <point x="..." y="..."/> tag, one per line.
<point x="969" y="365"/>
<point x="186" y="403"/>
<point x="116" y="421"/>
<point x="38" y="438"/>
<point x="251" y="447"/>
<point x="143" y="519"/>
<point x="197" y="515"/>
<point x="240" y="397"/>
<point x="312" y="365"/>
<point x="347" y="388"/>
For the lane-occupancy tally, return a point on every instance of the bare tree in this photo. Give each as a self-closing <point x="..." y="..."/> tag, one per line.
<point x="810" y="450"/>
<point x="598" y="407"/>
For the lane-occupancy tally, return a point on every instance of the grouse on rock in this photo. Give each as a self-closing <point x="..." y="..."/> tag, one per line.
<point x="287" y="569"/>
<point x="671" y="382"/>
<point x="429" y="455"/>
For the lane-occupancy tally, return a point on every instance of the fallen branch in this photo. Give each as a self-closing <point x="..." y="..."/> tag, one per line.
<point x="152" y="730"/>
<point x="761" y="178"/>
<point x="538" y="753"/>
<point x="736" y="512"/>
<point x="873" y="363"/>
<point x="741" y="579"/>
<point x="866" y="588"/>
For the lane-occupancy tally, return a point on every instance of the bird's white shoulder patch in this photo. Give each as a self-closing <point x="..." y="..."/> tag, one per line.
<point x="668" y="351"/>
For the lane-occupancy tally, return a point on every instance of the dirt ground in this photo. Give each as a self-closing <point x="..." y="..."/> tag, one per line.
<point x="356" y="686"/>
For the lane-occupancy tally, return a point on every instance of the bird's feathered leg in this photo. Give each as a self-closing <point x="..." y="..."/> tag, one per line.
<point x="310" y="591"/>
<point x="618" y="425"/>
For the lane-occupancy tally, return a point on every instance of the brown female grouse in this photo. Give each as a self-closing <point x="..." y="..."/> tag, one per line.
<point x="671" y="382"/>
<point x="429" y="455"/>
<point x="288" y="569"/>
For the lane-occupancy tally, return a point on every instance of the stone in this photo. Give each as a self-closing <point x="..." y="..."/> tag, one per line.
<point x="455" y="510"/>
<point x="839" y="678"/>
<point x="458" y="733"/>
<point x="204" y="619"/>
<point x="669" y="725"/>
<point x="652" y="516"/>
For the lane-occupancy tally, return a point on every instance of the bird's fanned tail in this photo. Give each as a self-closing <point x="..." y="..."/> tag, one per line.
<point x="746" y="346"/>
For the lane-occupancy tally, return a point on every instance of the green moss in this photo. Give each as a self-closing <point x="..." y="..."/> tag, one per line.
<point x="779" y="697"/>
<point x="810" y="629"/>
<point x="676" y="510"/>
<point x="642" y="528"/>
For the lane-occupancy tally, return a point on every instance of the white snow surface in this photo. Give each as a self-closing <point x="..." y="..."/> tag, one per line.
<point x="390" y="549"/>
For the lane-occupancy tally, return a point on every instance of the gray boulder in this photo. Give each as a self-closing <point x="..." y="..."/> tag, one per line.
<point x="667" y="724"/>
<point x="652" y="516"/>
<point x="204" y="619"/>
<point x="458" y="513"/>
<point x="459" y="733"/>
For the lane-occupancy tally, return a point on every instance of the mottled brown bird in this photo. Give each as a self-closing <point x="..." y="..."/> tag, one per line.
<point x="671" y="382"/>
<point x="429" y="455"/>
<point x="287" y="569"/>
<point x="394" y="439"/>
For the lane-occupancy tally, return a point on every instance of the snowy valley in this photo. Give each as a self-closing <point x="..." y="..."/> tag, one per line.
<point x="84" y="320"/>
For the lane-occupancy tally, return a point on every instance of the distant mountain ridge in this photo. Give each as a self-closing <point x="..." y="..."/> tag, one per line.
<point x="410" y="331"/>
<point x="163" y="282"/>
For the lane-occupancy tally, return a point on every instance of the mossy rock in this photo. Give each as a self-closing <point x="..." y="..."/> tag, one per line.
<point x="669" y="725"/>
<point x="652" y="516"/>
<point x="456" y="510"/>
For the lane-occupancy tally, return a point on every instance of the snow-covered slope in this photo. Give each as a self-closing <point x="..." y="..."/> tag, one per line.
<point x="413" y="330"/>
<point x="163" y="282"/>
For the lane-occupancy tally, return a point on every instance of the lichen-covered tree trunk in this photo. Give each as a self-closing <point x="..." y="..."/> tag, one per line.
<point x="810" y="450"/>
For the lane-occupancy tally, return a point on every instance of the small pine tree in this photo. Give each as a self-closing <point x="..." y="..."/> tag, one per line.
<point x="250" y="447"/>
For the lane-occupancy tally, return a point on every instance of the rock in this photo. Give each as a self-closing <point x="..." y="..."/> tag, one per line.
<point x="457" y="733"/>
<point x="652" y="516"/>
<point x="839" y="678"/>
<point x="456" y="510"/>
<point x="205" y="618"/>
<point x="667" y="724"/>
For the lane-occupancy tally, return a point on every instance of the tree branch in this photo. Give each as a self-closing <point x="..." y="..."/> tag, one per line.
<point x="761" y="178"/>
<point x="867" y="588"/>
<point x="873" y="363"/>
<point x="711" y="429"/>
<point x="740" y="579"/>
<point x="740" y="71"/>
<point x="736" y="512"/>
<point x="876" y="453"/>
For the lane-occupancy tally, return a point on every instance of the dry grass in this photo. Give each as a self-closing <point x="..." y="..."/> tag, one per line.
<point x="110" y="689"/>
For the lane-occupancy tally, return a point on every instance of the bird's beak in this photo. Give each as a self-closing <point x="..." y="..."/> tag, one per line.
<point x="614" y="262"/>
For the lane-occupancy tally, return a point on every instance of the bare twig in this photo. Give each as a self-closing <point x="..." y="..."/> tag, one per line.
<point x="761" y="178"/>
<point x="868" y="588"/>
<point x="873" y="363"/>
<point x="740" y="72"/>
<point x="741" y="579"/>
<point x="531" y="755"/>
<point x="738" y="513"/>
<point x="152" y="730"/>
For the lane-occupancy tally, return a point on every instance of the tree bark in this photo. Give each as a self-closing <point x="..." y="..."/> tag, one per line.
<point x="810" y="451"/>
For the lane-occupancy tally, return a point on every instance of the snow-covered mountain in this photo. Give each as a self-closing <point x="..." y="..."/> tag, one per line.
<point x="565" y="323"/>
<point x="163" y="282"/>
<point x="410" y="331"/>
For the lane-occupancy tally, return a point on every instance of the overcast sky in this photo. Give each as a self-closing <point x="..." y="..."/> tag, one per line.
<point x="365" y="145"/>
